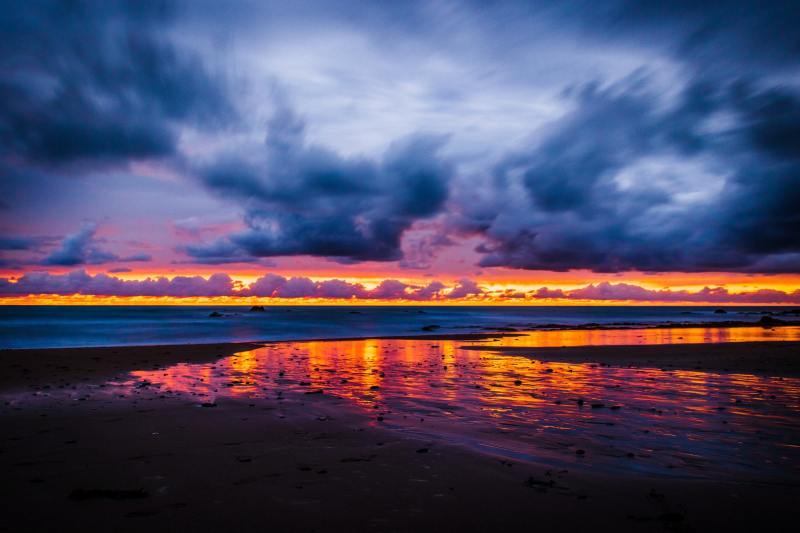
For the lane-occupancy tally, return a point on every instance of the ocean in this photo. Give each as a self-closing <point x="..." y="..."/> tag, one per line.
<point x="77" y="326"/>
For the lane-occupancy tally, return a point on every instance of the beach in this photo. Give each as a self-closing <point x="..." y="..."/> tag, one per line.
<point x="300" y="437"/>
<point x="419" y="266"/>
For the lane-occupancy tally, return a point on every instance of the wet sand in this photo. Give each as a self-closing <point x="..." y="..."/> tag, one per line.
<point x="760" y="358"/>
<point x="80" y="451"/>
<point x="38" y="367"/>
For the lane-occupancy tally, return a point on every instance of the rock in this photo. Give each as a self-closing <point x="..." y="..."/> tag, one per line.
<point x="533" y="482"/>
<point x="431" y="327"/>
<point x="257" y="309"/>
<point x="215" y="314"/>
<point x="769" y="322"/>
<point x="720" y="312"/>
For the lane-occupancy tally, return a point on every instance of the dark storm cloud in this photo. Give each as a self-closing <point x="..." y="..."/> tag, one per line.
<point x="219" y="252"/>
<point x="97" y="81"/>
<point x="721" y="34"/>
<point x="691" y="165"/>
<point x="303" y="199"/>
<point x="17" y="243"/>
<point x="701" y="173"/>
<point x="604" y="184"/>
<point x="81" y="248"/>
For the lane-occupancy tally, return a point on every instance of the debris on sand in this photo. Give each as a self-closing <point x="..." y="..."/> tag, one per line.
<point x="107" y="494"/>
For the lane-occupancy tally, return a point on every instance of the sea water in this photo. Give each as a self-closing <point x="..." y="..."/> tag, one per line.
<point x="75" y="326"/>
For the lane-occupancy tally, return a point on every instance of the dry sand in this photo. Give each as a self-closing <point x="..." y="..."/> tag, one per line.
<point x="311" y="463"/>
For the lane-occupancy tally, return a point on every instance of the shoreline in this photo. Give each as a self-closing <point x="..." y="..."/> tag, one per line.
<point x="770" y="358"/>
<point x="36" y="366"/>
<point x="488" y="332"/>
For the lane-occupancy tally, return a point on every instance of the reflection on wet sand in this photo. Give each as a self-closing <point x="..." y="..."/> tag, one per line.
<point x="614" y="337"/>
<point x="664" y="422"/>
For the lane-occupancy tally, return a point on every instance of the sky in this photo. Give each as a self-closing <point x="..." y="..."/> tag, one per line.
<point x="536" y="152"/>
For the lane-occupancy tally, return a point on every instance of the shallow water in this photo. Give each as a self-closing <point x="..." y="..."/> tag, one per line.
<point x="70" y="326"/>
<point x="678" y="423"/>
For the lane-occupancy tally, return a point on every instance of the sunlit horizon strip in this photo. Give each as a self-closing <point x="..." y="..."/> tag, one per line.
<point x="89" y="300"/>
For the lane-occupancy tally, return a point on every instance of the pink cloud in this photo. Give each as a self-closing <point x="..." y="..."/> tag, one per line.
<point x="607" y="291"/>
<point x="79" y="282"/>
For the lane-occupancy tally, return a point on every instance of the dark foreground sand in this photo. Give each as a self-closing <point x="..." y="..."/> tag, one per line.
<point x="310" y="463"/>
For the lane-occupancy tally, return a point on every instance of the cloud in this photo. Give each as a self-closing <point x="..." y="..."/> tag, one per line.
<point x="80" y="248"/>
<point x="136" y="258"/>
<point x="606" y="291"/>
<point x="607" y="136"/>
<point x="17" y="243"/>
<point x="79" y="282"/>
<point x="420" y="248"/>
<point x="98" y="81"/>
<point x="723" y="35"/>
<point x="276" y="286"/>
<point x="706" y="181"/>
<point x="219" y="252"/>
<point x="294" y="288"/>
<point x="267" y="286"/>
<point x="303" y="199"/>
<point x="464" y="288"/>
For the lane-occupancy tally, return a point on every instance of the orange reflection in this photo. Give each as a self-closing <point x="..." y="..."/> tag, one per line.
<point x="690" y="423"/>
<point x="612" y="337"/>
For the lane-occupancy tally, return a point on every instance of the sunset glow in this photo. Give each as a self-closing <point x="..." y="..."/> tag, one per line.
<point x="522" y="165"/>
<point x="410" y="266"/>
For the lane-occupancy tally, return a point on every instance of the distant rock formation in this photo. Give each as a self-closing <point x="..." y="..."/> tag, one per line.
<point x="215" y="314"/>
<point x="257" y="309"/>
<point x="769" y="322"/>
